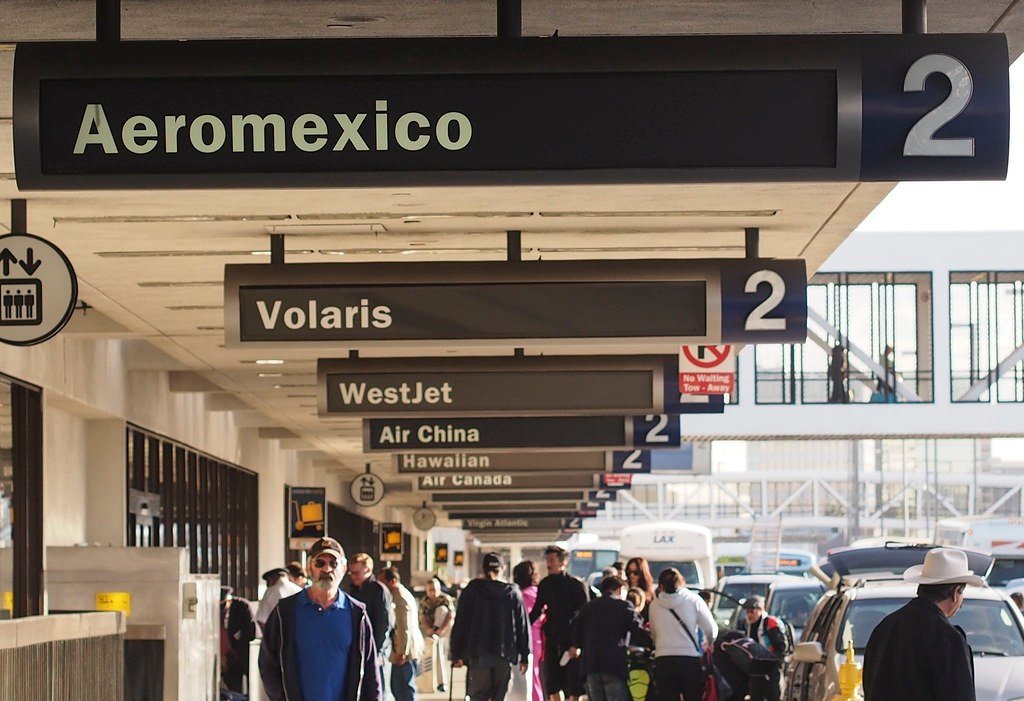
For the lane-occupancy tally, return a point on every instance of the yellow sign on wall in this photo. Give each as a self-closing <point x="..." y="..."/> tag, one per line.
<point x="391" y="541"/>
<point x="9" y="601"/>
<point x="114" y="601"/>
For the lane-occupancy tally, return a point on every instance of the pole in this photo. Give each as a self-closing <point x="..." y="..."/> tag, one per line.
<point x="752" y="241"/>
<point x="510" y="19"/>
<point x="514" y="246"/>
<point x="277" y="249"/>
<point x="108" y="21"/>
<point x="19" y="216"/>
<point x="915" y="16"/>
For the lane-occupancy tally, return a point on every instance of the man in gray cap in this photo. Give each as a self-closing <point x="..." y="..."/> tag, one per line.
<point x="766" y="675"/>
<point x="915" y="653"/>
<point x="491" y="632"/>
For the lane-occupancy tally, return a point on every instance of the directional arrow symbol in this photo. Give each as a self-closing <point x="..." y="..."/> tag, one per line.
<point x="30" y="265"/>
<point x="6" y="258"/>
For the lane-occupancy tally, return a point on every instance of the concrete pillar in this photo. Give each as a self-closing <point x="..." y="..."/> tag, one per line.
<point x="106" y="485"/>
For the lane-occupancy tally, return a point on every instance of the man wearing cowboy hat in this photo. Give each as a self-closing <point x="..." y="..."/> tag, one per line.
<point x="915" y="653"/>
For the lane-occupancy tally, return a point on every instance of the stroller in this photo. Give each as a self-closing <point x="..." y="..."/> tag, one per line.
<point x="640" y="681"/>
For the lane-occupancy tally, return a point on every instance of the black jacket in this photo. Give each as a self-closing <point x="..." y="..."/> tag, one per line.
<point x="767" y="631"/>
<point x="563" y="596"/>
<point x="239" y="627"/>
<point x="378" y="607"/>
<point x="600" y="631"/>
<point x="916" y="654"/>
<point x="491" y="620"/>
<point x="277" y="655"/>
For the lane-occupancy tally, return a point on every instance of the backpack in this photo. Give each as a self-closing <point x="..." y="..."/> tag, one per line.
<point x="788" y="634"/>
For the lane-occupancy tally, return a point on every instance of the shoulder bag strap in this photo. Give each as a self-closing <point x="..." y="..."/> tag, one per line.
<point x="688" y="633"/>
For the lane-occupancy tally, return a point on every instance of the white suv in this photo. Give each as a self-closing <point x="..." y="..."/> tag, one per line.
<point x="994" y="627"/>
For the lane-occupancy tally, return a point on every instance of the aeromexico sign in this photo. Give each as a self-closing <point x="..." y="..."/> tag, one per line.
<point x="299" y="113"/>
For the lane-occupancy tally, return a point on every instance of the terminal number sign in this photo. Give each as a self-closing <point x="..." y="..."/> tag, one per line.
<point x="476" y="111"/>
<point x="495" y="305"/>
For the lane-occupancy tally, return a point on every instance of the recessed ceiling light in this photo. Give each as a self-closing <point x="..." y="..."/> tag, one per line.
<point x="271" y="374"/>
<point x="269" y="361"/>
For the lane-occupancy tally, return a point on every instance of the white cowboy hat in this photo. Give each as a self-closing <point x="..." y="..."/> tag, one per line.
<point x="943" y="566"/>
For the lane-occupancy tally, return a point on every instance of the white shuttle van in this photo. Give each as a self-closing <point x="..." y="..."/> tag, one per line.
<point x="666" y="544"/>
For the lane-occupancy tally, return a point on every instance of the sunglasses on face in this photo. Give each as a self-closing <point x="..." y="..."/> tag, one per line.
<point x="321" y="563"/>
<point x="632" y="572"/>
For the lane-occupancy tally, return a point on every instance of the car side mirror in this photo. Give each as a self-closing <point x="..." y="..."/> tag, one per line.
<point x="811" y="653"/>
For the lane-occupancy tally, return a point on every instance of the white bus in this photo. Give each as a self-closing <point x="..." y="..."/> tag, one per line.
<point x="1002" y="537"/>
<point x="672" y="544"/>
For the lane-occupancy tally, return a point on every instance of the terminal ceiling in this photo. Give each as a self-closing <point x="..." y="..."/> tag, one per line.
<point x="151" y="263"/>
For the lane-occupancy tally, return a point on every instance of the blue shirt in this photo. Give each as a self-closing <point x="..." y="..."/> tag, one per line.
<point x="323" y="638"/>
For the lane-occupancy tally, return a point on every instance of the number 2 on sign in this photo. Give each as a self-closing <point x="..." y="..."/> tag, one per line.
<point x="632" y="461"/>
<point x="756" y="320"/>
<point x="655" y="435"/>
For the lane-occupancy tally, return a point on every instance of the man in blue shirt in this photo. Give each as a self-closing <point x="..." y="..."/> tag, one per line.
<point x="318" y="644"/>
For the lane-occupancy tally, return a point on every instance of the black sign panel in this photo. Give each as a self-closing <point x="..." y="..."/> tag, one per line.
<point x="533" y="513"/>
<point x="480" y="111"/>
<point x="574" y="461"/>
<point x="496" y="481"/>
<point x="507" y="523"/>
<point x="523" y="386"/>
<point x="520" y="432"/>
<point x="495" y="304"/>
<point x="566" y="497"/>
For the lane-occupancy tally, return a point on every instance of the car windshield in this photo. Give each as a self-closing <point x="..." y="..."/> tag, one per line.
<point x="794" y="605"/>
<point x="738" y="591"/>
<point x="991" y="628"/>
<point x="688" y="569"/>
<point x="1003" y="570"/>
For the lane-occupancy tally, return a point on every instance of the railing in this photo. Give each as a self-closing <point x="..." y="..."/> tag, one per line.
<point x="68" y="657"/>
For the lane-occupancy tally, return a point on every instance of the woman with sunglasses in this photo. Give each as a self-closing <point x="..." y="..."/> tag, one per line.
<point x="638" y="574"/>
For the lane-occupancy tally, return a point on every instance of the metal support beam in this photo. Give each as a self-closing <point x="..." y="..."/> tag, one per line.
<point x="752" y="242"/>
<point x="19" y="216"/>
<point x="975" y="391"/>
<point x="510" y="19"/>
<point x="108" y="21"/>
<point x="915" y="16"/>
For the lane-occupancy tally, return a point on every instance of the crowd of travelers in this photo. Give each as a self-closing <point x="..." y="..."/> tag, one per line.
<point x="633" y="638"/>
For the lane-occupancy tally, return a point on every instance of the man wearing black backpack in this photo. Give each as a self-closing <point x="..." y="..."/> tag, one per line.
<point x="766" y="675"/>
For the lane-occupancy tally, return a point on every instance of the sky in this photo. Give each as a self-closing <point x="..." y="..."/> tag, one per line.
<point x="962" y="206"/>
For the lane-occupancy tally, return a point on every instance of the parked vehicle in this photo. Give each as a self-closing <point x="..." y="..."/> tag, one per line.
<point x="790" y="599"/>
<point x="870" y="589"/>
<point x="738" y="587"/>
<point x="584" y="560"/>
<point x="1003" y="537"/>
<point x="793" y="602"/>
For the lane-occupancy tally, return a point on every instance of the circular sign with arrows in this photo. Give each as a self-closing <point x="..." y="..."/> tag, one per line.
<point x="367" y="489"/>
<point x="38" y="289"/>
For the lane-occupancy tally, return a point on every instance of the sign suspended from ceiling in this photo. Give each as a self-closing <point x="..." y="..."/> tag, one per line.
<point x="480" y="111"/>
<point x="494" y="304"/>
